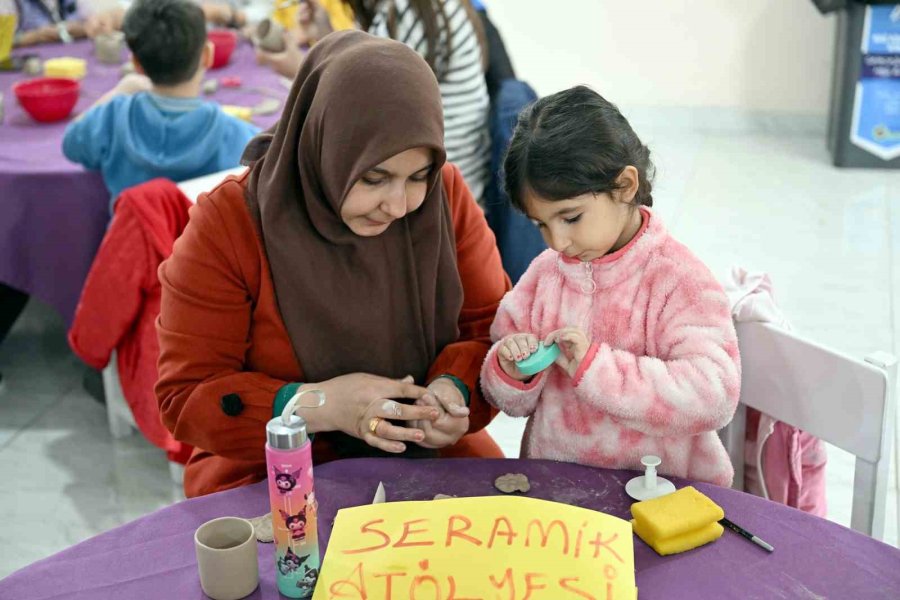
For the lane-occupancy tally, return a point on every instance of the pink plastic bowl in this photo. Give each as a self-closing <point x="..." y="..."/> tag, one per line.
<point x="47" y="99"/>
<point x="224" y="41"/>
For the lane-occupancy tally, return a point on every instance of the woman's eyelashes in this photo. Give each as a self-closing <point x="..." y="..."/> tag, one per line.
<point x="376" y="181"/>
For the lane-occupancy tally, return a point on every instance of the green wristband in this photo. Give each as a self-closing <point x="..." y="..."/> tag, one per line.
<point x="460" y="385"/>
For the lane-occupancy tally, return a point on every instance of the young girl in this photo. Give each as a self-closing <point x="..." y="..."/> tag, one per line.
<point x="649" y="357"/>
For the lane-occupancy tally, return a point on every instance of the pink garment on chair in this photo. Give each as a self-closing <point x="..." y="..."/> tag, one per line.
<point x="781" y="462"/>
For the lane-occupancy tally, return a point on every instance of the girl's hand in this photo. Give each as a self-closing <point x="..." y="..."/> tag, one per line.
<point x="453" y="421"/>
<point x="353" y="401"/>
<point x="515" y="347"/>
<point x="573" y="345"/>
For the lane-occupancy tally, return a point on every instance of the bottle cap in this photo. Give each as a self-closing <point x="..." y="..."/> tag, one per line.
<point x="286" y="436"/>
<point x="288" y="431"/>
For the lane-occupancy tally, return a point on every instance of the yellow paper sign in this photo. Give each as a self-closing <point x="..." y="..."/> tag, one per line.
<point x="504" y="548"/>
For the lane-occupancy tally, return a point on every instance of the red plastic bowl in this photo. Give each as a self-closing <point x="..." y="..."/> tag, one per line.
<point x="47" y="99"/>
<point x="224" y="41"/>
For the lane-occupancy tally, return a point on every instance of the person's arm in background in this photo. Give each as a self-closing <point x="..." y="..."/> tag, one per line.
<point x="50" y="33"/>
<point x="313" y="23"/>
<point x="79" y="25"/>
<point x="87" y="138"/>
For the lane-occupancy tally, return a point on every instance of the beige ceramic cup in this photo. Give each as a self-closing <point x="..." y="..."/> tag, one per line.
<point x="227" y="558"/>
<point x="108" y="47"/>
<point x="270" y="36"/>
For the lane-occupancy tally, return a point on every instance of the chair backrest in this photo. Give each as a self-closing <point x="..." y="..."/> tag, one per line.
<point x="192" y="188"/>
<point x="518" y="240"/>
<point x="846" y="402"/>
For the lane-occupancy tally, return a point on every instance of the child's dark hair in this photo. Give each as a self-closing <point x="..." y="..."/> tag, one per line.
<point x="166" y="37"/>
<point x="572" y="143"/>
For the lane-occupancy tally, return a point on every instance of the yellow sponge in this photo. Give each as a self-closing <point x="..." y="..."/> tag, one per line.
<point x="680" y="512"/>
<point x="243" y="113"/>
<point x="65" y="66"/>
<point x="680" y="543"/>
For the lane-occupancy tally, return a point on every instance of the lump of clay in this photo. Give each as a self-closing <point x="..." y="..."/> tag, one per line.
<point x="262" y="526"/>
<point x="267" y="107"/>
<point x="512" y="482"/>
<point x="33" y="65"/>
<point x="210" y="86"/>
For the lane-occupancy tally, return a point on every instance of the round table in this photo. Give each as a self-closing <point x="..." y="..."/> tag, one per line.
<point x="153" y="557"/>
<point x="55" y="212"/>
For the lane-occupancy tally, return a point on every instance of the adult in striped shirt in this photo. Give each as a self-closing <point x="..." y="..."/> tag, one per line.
<point x="449" y="35"/>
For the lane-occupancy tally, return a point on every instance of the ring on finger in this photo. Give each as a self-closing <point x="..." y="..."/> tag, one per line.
<point x="373" y="424"/>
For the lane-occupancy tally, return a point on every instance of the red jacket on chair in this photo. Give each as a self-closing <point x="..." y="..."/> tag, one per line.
<point x="120" y="300"/>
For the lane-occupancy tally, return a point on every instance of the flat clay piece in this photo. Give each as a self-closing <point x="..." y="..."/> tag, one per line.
<point x="512" y="482"/>
<point x="267" y="107"/>
<point x="542" y="358"/>
<point x="262" y="526"/>
<point x="442" y="497"/>
<point x="210" y="86"/>
<point x="33" y="66"/>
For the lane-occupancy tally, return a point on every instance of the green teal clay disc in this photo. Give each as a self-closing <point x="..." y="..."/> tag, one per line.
<point x="542" y="358"/>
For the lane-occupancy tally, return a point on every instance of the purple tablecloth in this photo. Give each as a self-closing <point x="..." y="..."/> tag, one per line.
<point x="53" y="213"/>
<point x="153" y="557"/>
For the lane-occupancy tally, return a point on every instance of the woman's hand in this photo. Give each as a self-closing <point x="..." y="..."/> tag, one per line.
<point x="285" y="63"/>
<point x="573" y="344"/>
<point x="453" y="420"/>
<point x="515" y="347"/>
<point x="353" y="401"/>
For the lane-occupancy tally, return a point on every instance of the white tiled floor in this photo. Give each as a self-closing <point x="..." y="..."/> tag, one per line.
<point x="830" y="239"/>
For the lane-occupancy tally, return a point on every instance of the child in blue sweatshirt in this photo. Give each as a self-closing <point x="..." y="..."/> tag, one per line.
<point x="154" y="124"/>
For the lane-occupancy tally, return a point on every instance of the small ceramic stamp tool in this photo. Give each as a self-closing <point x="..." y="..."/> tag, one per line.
<point x="649" y="485"/>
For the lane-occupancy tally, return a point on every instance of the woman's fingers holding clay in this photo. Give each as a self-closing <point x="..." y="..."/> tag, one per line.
<point x="397" y="411"/>
<point x="383" y="444"/>
<point x="389" y="431"/>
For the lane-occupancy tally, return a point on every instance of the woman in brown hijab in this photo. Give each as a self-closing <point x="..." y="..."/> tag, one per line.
<point x="350" y="258"/>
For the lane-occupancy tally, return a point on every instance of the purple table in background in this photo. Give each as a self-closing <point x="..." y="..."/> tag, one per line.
<point x="53" y="213"/>
<point x="153" y="557"/>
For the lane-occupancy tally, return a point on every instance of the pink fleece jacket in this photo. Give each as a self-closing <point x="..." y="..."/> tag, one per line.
<point x="661" y="376"/>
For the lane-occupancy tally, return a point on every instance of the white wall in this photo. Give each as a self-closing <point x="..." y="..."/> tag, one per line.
<point x="746" y="55"/>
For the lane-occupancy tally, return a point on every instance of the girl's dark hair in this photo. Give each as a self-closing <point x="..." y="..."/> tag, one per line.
<point x="436" y="23"/>
<point x="571" y="143"/>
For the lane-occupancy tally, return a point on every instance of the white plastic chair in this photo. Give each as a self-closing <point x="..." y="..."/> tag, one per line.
<point x="846" y="402"/>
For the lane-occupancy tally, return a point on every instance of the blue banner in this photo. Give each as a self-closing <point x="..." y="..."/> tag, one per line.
<point x="876" y="107"/>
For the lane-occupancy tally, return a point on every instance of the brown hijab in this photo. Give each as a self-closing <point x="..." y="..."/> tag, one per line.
<point x="388" y="304"/>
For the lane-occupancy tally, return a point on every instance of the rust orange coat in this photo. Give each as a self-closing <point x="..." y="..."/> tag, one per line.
<point x="221" y="334"/>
